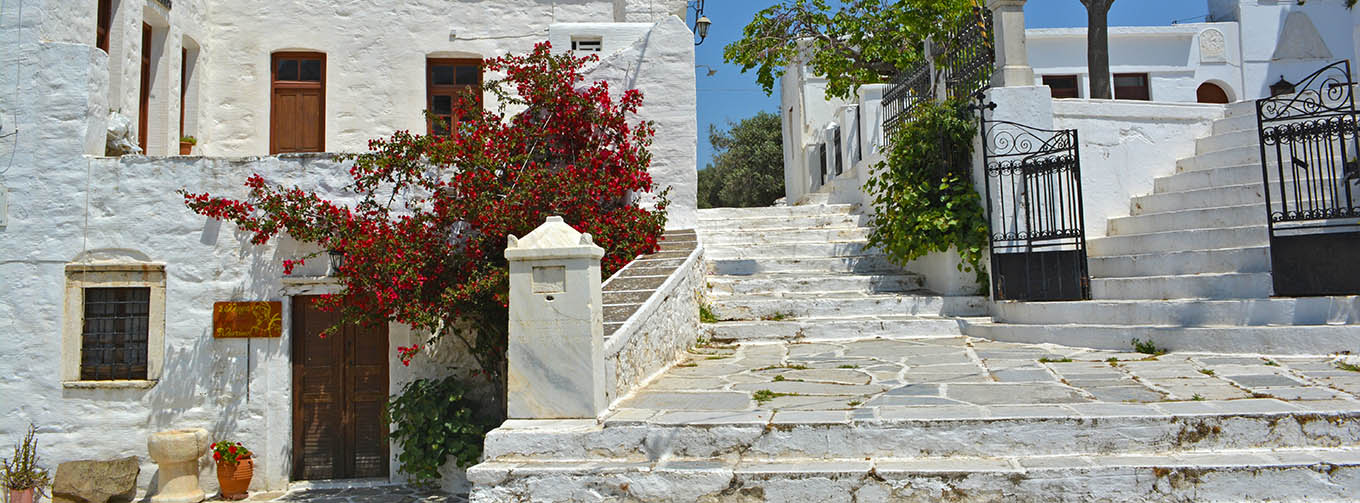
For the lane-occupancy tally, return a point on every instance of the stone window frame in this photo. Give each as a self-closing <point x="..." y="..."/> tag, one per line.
<point x="112" y="275"/>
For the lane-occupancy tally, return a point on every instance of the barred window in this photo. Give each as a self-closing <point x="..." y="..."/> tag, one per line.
<point x="113" y="343"/>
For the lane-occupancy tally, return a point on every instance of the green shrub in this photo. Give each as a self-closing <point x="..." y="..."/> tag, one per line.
<point x="434" y="421"/>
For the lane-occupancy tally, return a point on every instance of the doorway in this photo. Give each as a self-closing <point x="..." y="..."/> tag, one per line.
<point x="339" y="391"/>
<point x="1210" y="92"/>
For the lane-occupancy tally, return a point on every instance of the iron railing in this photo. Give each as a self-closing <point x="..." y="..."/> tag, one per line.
<point x="907" y="90"/>
<point x="965" y="60"/>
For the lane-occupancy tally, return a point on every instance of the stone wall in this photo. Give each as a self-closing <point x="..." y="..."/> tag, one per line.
<point x="651" y="312"/>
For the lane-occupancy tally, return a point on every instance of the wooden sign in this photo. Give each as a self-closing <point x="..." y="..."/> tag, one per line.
<point x="235" y="320"/>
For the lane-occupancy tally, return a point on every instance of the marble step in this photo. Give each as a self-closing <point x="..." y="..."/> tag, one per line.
<point x="1235" y="156"/>
<point x="840" y="305"/>
<point x="1248" y="259"/>
<point x="1235" y="123"/>
<point x="1245" y="108"/>
<point x="1286" y="340"/>
<point x="1189" y="286"/>
<point x="791" y="250"/>
<point x="864" y="264"/>
<point x="827" y="221"/>
<point x="1197" y="313"/>
<point x="1212" y="197"/>
<point x="1241" y="138"/>
<point x="717" y="214"/>
<point x="718" y="239"/>
<point x="806" y="283"/>
<point x="1179" y="240"/>
<point x="882" y="325"/>
<point x="1187" y="219"/>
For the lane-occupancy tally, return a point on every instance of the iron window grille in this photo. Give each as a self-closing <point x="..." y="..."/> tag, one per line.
<point x="114" y="336"/>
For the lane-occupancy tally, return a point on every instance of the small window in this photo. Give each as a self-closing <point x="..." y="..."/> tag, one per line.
<point x="105" y="24"/>
<point x="1062" y="86"/>
<point x="449" y="81"/>
<point x="1131" y="86"/>
<point x="113" y="340"/>
<point x="584" y="44"/>
<point x="113" y="332"/>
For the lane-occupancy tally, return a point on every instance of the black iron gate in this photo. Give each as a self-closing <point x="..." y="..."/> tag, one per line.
<point x="1308" y="164"/>
<point x="1034" y="205"/>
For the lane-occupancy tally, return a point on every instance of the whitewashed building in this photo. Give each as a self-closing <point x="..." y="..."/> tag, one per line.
<point x="263" y="86"/>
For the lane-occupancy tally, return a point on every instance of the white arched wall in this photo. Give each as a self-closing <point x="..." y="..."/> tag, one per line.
<point x="1233" y="94"/>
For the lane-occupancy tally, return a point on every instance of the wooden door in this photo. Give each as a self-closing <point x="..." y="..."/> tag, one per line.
<point x="297" y="118"/>
<point x="339" y="390"/>
<point x="144" y="106"/>
<point x="1209" y="92"/>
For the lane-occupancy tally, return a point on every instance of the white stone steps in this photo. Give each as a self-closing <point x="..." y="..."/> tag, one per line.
<point x="816" y="249"/>
<point x="1186" y="219"/>
<point x="1240" y="138"/>
<point x="1189" y="286"/>
<point x="1214" y="197"/>
<point x="805" y="305"/>
<point x="718" y="214"/>
<point x="770" y="236"/>
<point x="1179" y="240"/>
<point x="1257" y="475"/>
<point x="1247" y="259"/>
<point x="1246" y="174"/>
<point x="1245" y="108"/>
<point x="1235" y="123"/>
<point x="832" y="221"/>
<point x="884" y="325"/>
<point x="1199" y="313"/>
<point x="775" y="283"/>
<point x="1290" y="340"/>
<point x="867" y="264"/>
<point x="1234" y="156"/>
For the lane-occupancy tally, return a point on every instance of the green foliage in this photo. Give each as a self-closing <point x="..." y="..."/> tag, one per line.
<point x="748" y="164"/>
<point x="706" y="314"/>
<point x="1147" y="347"/>
<point x="434" y="421"/>
<point x="850" y="42"/>
<point x="22" y="471"/>
<point x="1347" y="366"/>
<point x="924" y="200"/>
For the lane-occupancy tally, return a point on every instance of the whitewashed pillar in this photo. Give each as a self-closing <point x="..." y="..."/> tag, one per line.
<point x="1012" y="60"/>
<point x="556" y="350"/>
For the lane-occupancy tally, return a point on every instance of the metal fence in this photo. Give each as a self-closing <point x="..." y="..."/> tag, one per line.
<point x="964" y="60"/>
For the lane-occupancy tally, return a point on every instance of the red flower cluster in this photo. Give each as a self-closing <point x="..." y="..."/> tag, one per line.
<point x="229" y="452"/>
<point x="424" y="242"/>
<point x="406" y="353"/>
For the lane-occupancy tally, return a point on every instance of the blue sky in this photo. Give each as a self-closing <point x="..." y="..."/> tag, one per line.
<point x="730" y="95"/>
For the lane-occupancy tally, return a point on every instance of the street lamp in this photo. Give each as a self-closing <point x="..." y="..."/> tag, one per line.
<point x="701" y="22"/>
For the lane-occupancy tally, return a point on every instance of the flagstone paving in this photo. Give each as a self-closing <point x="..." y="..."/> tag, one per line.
<point x="969" y="377"/>
<point x="373" y="494"/>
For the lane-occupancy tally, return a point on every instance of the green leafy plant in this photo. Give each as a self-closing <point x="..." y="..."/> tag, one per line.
<point x="1348" y="366"/>
<point x="848" y="366"/>
<point x="778" y="378"/>
<point x="22" y="471"/>
<point x="1056" y="360"/>
<point x="1197" y="397"/>
<point x="924" y="200"/>
<point x="433" y="421"/>
<point x="225" y="451"/>
<point x="779" y="316"/>
<point x="764" y="395"/>
<point x="189" y="140"/>
<point x="1272" y="363"/>
<point x="1206" y="372"/>
<point x="1147" y="347"/>
<point x="706" y="314"/>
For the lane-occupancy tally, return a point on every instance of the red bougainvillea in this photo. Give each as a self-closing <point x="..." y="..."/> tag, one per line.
<point x="424" y="230"/>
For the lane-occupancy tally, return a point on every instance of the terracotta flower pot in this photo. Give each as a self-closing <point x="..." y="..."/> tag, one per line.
<point x="22" y="496"/>
<point x="235" y="478"/>
<point x="186" y="148"/>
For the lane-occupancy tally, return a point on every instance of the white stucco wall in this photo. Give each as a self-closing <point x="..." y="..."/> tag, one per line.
<point x="1334" y="23"/>
<point x="1125" y="145"/>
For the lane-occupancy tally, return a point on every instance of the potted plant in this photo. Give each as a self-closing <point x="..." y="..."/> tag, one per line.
<point x="23" y="479"/>
<point x="186" y="145"/>
<point x="234" y="469"/>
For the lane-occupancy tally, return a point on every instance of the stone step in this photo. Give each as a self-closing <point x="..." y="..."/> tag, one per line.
<point x="1235" y="123"/>
<point x="714" y="214"/>
<point x="884" y="325"/>
<point x="1245" y="108"/>
<point x="1198" y="313"/>
<point x="1251" y="475"/>
<point x="1290" y="340"/>
<point x="818" y="249"/>
<point x="865" y="264"/>
<point x="840" y="305"/>
<point x="1189" y="286"/>
<point x="1186" y="219"/>
<point x="1236" y="156"/>
<point x="717" y="239"/>
<point x="1180" y="240"/>
<point x="1241" y="138"/>
<point x="1251" y="259"/>
<point x="805" y="283"/>
<point x="1245" y="174"/>
<point x="835" y="220"/>
<point x="1214" y="197"/>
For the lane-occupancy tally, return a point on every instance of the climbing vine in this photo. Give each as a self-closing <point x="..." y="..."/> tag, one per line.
<point x="433" y="422"/>
<point x="924" y="199"/>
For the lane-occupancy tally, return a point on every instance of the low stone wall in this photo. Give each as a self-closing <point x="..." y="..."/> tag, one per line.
<point x="651" y="312"/>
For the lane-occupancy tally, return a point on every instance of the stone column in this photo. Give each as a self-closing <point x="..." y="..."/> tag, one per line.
<point x="1012" y="60"/>
<point x="176" y="453"/>
<point x="556" y="351"/>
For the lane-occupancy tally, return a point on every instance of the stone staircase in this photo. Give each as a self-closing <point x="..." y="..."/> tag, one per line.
<point x="806" y="272"/>
<point x="1189" y="268"/>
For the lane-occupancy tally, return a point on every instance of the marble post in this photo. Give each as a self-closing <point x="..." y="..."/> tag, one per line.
<point x="1012" y="60"/>
<point x="176" y="454"/>
<point x="556" y="352"/>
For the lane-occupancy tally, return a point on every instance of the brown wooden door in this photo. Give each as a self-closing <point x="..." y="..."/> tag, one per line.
<point x="144" y="106"/>
<point x="1209" y="92"/>
<point x="297" y="118"/>
<point x="339" y="390"/>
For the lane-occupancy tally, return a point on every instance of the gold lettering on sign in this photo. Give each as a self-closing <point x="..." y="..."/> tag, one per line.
<point x="234" y="320"/>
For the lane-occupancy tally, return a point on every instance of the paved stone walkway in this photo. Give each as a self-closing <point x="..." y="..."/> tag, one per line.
<point x="959" y="377"/>
<point x="374" y="494"/>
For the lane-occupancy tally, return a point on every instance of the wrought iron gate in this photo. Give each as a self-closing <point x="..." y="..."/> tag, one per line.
<point x="1034" y="204"/>
<point x="1308" y="165"/>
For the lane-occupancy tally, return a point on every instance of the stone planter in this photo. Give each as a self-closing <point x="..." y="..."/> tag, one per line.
<point x="176" y="452"/>
<point x="22" y="495"/>
<point x="235" y="478"/>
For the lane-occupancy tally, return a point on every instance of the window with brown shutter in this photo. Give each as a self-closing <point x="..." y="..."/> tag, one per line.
<point x="113" y="343"/>
<point x="101" y="39"/>
<point x="297" y="119"/>
<point x="1062" y="86"/>
<point x="1131" y="86"/>
<point x="446" y="82"/>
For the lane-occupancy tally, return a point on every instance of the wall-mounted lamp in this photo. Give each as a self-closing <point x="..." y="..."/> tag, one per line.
<point x="337" y="261"/>
<point x="1282" y="87"/>
<point x="701" y="22"/>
